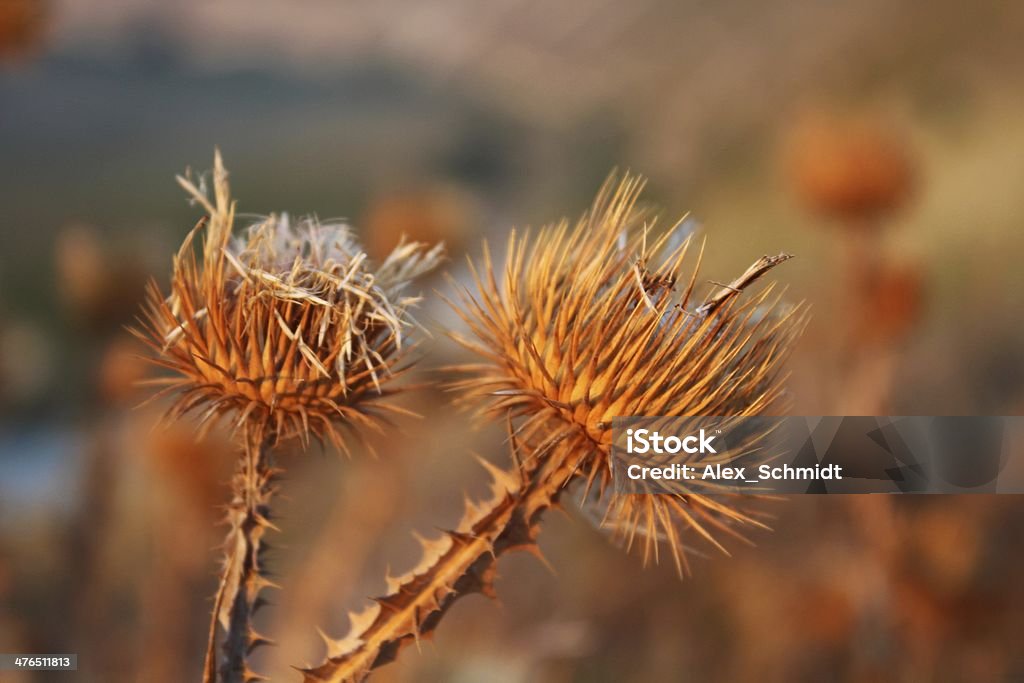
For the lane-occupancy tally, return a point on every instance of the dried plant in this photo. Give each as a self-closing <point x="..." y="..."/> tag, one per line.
<point x="585" y="323"/>
<point x="859" y="171"/>
<point x="291" y="333"/>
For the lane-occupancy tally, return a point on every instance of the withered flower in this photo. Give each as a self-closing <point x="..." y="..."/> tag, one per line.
<point x="595" y="321"/>
<point x="292" y="332"/>
<point x="287" y="326"/>
<point x="579" y="325"/>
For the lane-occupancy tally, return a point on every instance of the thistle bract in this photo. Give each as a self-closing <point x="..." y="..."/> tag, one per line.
<point x="593" y="321"/>
<point x="287" y="325"/>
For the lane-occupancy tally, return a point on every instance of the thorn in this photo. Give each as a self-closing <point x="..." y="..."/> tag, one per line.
<point x="535" y="550"/>
<point x="460" y="538"/>
<point x="500" y="476"/>
<point x="264" y="522"/>
<point x="259" y="582"/>
<point x="386" y="603"/>
<point x="256" y="640"/>
<point x="250" y="676"/>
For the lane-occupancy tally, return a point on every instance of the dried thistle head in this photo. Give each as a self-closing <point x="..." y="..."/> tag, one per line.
<point x="287" y="326"/>
<point x="594" y="321"/>
<point x="856" y="170"/>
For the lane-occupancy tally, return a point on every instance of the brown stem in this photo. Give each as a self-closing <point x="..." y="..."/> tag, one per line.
<point x="461" y="562"/>
<point x="242" y="578"/>
<point x="866" y="369"/>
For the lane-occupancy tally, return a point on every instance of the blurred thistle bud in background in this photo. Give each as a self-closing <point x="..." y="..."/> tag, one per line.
<point x="22" y="25"/>
<point x="98" y="280"/>
<point x="855" y="169"/>
<point x="429" y="214"/>
<point x="858" y="170"/>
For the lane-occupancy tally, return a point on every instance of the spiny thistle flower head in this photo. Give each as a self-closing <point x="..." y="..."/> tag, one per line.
<point x="287" y="325"/>
<point x="595" y="321"/>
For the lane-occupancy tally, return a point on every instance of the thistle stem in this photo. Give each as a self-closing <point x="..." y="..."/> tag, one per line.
<point x="460" y="563"/>
<point x="242" y="578"/>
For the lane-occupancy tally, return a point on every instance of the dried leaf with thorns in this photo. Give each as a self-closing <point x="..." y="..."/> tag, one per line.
<point x="582" y="324"/>
<point x="291" y="332"/>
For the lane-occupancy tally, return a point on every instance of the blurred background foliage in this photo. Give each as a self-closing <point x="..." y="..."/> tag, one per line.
<point x="880" y="142"/>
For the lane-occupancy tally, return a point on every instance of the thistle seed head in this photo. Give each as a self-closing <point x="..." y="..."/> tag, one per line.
<point x="854" y="169"/>
<point x="590" y="322"/>
<point x="287" y="326"/>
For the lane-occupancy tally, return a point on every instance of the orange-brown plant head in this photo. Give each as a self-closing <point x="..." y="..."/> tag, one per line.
<point x="853" y="170"/>
<point x="287" y="326"/>
<point x="430" y="213"/>
<point x="22" y="25"/>
<point x="594" y="321"/>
